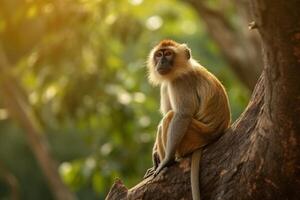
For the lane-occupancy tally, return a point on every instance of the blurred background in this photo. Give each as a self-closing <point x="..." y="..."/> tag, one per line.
<point x="76" y="110"/>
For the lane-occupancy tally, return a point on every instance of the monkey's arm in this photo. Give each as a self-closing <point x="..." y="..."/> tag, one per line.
<point x="184" y="101"/>
<point x="155" y="156"/>
<point x="165" y="104"/>
<point x="177" y="129"/>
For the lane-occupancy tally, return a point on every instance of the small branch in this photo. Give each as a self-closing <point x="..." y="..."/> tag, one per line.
<point x="205" y="11"/>
<point x="11" y="181"/>
<point x="252" y="25"/>
<point x="241" y="53"/>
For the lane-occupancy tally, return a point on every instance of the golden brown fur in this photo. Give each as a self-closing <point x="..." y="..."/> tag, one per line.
<point x="195" y="108"/>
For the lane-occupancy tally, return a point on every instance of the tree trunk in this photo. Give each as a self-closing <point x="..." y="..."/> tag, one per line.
<point x="259" y="157"/>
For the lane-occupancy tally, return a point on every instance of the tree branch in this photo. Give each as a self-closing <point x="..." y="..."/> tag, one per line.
<point x="239" y="47"/>
<point x="11" y="181"/>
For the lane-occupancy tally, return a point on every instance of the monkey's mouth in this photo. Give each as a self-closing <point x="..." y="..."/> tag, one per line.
<point x="163" y="70"/>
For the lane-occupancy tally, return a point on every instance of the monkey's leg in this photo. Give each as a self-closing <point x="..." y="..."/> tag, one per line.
<point x="156" y="152"/>
<point x="197" y="136"/>
<point x="160" y="142"/>
<point x="161" y="137"/>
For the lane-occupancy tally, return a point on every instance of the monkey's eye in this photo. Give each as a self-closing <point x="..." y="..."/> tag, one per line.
<point x="158" y="54"/>
<point x="168" y="53"/>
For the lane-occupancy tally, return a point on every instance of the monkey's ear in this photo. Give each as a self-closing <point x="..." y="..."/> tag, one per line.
<point x="188" y="53"/>
<point x="184" y="49"/>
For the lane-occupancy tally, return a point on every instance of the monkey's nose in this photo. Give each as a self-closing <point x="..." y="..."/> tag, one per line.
<point x="164" y="61"/>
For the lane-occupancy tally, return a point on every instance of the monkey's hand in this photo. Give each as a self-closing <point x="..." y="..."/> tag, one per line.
<point x="149" y="172"/>
<point x="165" y="163"/>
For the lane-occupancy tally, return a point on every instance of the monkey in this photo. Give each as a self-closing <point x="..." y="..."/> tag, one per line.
<point x="194" y="105"/>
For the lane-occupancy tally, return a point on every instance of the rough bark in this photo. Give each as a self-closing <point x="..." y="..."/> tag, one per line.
<point x="239" y="46"/>
<point x="259" y="157"/>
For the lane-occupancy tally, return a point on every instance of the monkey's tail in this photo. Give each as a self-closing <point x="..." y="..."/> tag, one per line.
<point x="195" y="168"/>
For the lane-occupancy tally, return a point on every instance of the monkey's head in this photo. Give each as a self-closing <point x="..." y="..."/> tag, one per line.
<point x="168" y="60"/>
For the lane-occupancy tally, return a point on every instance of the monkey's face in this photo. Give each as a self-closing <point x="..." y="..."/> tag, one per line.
<point x="164" y="60"/>
<point x="167" y="61"/>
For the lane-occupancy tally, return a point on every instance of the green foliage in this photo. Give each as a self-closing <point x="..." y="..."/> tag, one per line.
<point x="82" y="65"/>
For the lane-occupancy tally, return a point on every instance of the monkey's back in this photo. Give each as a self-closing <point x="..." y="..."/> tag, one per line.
<point x="213" y="109"/>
